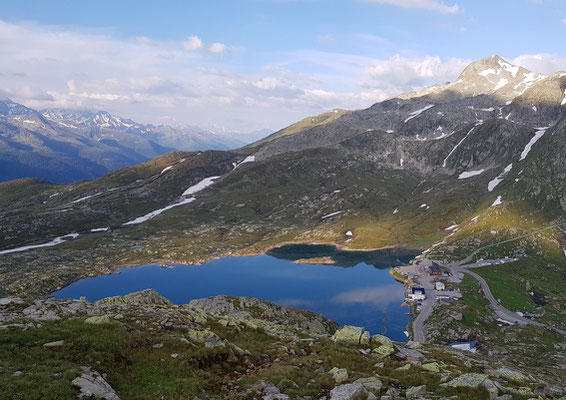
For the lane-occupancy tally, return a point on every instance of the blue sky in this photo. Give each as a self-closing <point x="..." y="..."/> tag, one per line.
<point x="242" y="65"/>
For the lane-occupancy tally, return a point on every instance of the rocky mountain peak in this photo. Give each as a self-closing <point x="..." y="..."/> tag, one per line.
<point x="9" y="107"/>
<point x="81" y="118"/>
<point x="495" y="76"/>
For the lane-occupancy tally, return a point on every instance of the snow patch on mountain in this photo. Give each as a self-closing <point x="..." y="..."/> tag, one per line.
<point x="185" y="199"/>
<point x="206" y="182"/>
<point x="538" y="134"/>
<point x="498" y="201"/>
<point x="497" y="180"/>
<point x="444" y="163"/>
<point x="54" y="242"/>
<point x="529" y="79"/>
<point x="248" y="159"/>
<point x="85" y="198"/>
<point x="331" y="214"/>
<point x="502" y="82"/>
<point x="469" y="174"/>
<point x="155" y="213"/>
<point x="97" y="230"/>
<point x="415" y="114"/>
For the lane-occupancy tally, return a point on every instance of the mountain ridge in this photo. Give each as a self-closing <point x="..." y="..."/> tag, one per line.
<point x="71" y="145"/>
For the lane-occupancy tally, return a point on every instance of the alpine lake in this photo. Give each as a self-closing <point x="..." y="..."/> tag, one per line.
<point x="349" y="287"/>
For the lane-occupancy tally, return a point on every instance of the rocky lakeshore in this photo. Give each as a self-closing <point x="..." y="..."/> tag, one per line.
<point x="141" y="346"/>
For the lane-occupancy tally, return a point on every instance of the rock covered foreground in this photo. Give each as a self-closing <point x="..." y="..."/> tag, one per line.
<point x="228" y="348"/>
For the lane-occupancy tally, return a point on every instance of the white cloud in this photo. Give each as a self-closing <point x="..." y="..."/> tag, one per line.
<point x="219" y="48"/>
<point x="46" y="67"/>
<point x="412" y="73"/>
<point x="431" y="5"/>
<point x="544" y="63"/>
<point x="564" y="21"/>
<point x="193" y="43"/>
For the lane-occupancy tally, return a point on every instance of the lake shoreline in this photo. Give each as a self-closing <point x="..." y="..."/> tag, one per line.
<point x="264" y="252"/>
<point x="358" y="290"/>
<point x="115" y="269"/>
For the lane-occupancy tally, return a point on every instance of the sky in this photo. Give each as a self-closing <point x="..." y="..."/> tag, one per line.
<point x="243" y="65"/>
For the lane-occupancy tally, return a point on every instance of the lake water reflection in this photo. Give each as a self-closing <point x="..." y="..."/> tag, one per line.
<point x="356" y="290"/>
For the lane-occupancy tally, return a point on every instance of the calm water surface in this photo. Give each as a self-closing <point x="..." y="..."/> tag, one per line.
<point x="358" y="290"/>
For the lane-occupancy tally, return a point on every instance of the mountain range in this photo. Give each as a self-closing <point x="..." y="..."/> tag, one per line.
<point x="67" y="145"/>
<point x="397" y="173"/>
<point x="464" y="172"/>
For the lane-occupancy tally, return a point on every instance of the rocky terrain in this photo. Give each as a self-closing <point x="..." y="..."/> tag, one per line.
<point x="140" y="346"/>
<point x="467" y="170"/>
<point x="398" y="173"/>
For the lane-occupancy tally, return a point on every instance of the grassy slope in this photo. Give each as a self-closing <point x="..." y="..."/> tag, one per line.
<point x="124" y="351"/>
<point x="303" y="125"/>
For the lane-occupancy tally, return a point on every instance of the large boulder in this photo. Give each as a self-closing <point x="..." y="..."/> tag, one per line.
<point x="384" y="345"/>
<point x="408" y="353"/>
<point x="339" y="374"/>
<point x="91" y="383"/>
<point x="144" y="297"/>
<point x="10" y="300"/>
<point x="432" y="367"/>
<point x="372" y="384"/>
<point x="509" y="374"/>
<point x="208" y="338"/>
<point x="349" y="335"/>
<point x="491" y="388"/>
<point x="415" y="391"/>
<point x="347" y="392"/>
<point x="471" y="380"/>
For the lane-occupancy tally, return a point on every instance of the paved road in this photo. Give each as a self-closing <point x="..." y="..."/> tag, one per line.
<point x="426" y="309"/>
<point x="499" y="310"/>
<point x="419" y="334"/>
<point x="503" y="313"/>
<point x="425" y="281"/>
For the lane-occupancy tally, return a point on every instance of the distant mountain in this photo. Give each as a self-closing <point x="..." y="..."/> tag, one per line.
<point x="70" y="145"/>
<point x="185" y="138"/>
<point x="469" y="171"/>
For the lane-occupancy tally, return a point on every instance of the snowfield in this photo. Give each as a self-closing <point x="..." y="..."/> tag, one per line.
<point x="54" y="242"/>
<point x="248" y="159"/>
<point x="469" y="174"/>
<point x="497" y="201"/>
<point x="460" y="142"/>
<point x="155" y="213"/>
<point x="331" y="214"/>
<point x="415" y="114"/>
<point x="185" y="199"/>
<point x="95" y="230"/>
<point x="538" y="134"/>
<point x="206" y="182"/>
<point x="497" y="180"/>
<point x="85" y="198"/>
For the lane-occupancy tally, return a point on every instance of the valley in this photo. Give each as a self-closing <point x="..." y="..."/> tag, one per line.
<point x="459" y="173"/>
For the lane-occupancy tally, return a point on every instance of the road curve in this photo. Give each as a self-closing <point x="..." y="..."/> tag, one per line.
<point x="499" y="310"/>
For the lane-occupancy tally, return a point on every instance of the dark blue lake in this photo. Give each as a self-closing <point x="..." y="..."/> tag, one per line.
<point x="357" y="290"/>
